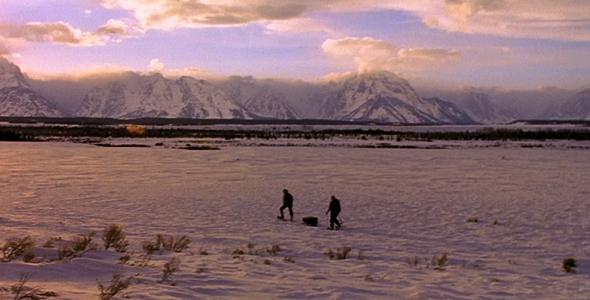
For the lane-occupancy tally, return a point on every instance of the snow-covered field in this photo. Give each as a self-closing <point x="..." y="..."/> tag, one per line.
<point x="401" y="208"/>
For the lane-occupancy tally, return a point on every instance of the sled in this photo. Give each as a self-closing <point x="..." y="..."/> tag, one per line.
<point x="310" y="221"/>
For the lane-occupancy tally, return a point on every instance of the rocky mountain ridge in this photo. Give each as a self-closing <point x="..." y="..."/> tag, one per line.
<point x="18" y="99"/>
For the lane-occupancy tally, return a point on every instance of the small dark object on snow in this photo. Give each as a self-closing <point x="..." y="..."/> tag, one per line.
<point x="311" y="221"/>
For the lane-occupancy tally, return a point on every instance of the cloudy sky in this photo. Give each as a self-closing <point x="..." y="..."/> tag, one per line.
<point x="509" y="43"/>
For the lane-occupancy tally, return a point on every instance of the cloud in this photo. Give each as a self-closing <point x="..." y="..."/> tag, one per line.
<point x="156" y="65"/>
<point x="13" y="36"/>
<point x="303" y="25"/>
<point x="56" y="32"/>
<point x="168" y="14"/>
<point x="4" y="49"/>
<point x="547" y="19"/>
<point x="372" y="54"/>
<point x="544" y="19"/>
<point x="116" y="27"/>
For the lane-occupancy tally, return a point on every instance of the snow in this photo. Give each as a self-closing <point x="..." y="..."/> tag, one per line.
<point x="399" y="205"/>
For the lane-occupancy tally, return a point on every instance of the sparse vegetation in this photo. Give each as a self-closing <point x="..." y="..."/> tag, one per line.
<point x="238" y="252"/>
<point x="149" y="247"/>
<point x="15" y="247"/>
<point x="50" y="243"/>
<point x="79" y="245"/>
<point x="273" y="250"/>
<point x="21" y="291"/>
<point x="142" y="262"/>
<point x="569" y="265"/>
<point x="117" y="284"/>
<point x="439" y="262"/>
<point x="339" y="254"/>
<point x="169" y="268"/>
<point x="83" y="242"/>
<point x="168" y="243"/>
<point x="113" y="237"/>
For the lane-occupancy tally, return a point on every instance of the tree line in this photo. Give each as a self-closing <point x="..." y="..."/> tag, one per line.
<point x="42" y="132"/>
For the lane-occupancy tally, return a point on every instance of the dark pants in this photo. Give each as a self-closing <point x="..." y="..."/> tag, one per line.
<point x="334" y="220"/>
<point x="290" y="211"/>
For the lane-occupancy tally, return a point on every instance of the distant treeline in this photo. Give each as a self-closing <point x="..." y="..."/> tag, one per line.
<point x="41" y="132"/>
<point x="14" y="136"/>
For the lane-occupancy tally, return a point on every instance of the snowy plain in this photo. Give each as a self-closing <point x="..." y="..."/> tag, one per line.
<point x="401" y="208"/>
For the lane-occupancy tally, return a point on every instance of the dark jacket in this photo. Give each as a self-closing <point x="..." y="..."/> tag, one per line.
<point x="287" y="199"/>
<point x="334" y="206"/>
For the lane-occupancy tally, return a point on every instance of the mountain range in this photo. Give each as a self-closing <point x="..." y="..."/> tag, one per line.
<point x="18" y="99"/>
<point x="154" y="96"/>
<point x="380" y="96"/>
<point x="577" y="107"/>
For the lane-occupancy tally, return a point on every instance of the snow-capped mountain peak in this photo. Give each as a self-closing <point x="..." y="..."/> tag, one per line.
<point x="11" y="75"/>
<point x="153" y="95"/>
<point x="383" y="96"/>
<point x="18" y="99"/>
<point x="577" y="107"/>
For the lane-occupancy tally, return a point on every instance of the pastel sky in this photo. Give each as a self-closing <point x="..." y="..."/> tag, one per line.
<point x="509" y="43"/>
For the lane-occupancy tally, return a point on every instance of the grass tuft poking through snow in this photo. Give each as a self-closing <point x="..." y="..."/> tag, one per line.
<point x="117" y="284"/>
<point x="113" y="236"/>
<point x="338" y="254"/>
<point x="15" y="247"/>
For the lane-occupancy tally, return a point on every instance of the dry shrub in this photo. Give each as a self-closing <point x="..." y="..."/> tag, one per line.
<point x="15" y="247"/>
<point x="168" y="243"/>
<point x="79" y="245"/>
<point x="21" y="291"/>
<point x="274" y="250"/>
<point x="113" y="237"/>
<point x="50" y="243"/>
<point x="117" y="284"/>
<point x="238" y="252"/>
<point x="149" y="247"/>
<point x="440" y="262"/>
<point x="180" y="243"/>
<point x="339" y="254"/>
<point x="83" y="242"/>
<point x="169" y="268"/>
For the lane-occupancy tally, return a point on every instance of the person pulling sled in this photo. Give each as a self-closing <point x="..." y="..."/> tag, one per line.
<point x="287" y="203"/>
<point x="334" y="210"/>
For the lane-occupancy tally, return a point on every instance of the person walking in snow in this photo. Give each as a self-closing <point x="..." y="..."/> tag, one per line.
<point x="287" y="203"/>
<point x="334" y="210"/>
